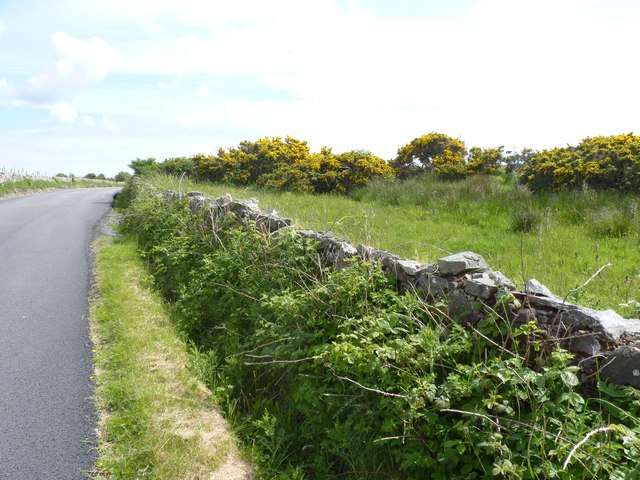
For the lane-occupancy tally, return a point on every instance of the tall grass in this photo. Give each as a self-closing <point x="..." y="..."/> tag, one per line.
<point x="424" y="219"/>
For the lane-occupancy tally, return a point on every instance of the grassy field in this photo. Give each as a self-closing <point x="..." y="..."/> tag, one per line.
<point x="156" y="419"/>
<point x="560" y="239"/>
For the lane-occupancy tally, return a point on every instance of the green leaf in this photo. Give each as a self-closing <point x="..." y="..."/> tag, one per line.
<point x="570" y="379"/>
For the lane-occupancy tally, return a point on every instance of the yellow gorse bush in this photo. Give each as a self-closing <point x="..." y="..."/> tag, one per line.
<point x="611" y="162"/>
<point x="289" y="164"/>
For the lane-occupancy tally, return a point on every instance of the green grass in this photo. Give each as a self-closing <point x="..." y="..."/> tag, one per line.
<point x="29" y="185"/>
<point x="575" y="233"/>
<point x="156" y="418"/>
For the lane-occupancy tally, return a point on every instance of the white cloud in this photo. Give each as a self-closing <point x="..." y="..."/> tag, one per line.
<point x="63" y="112"/>
<point x="203" y="91"/>
<point x="109" y="124"/>
<point x="80" y="63"/>
<point x="103" y="123"/>
<point x="534" y="73"/>
<point x="88" y="121"/>
<point x="91" y="58"/>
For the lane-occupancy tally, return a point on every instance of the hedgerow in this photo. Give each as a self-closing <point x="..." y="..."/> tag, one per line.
<point x="337" y="374"/>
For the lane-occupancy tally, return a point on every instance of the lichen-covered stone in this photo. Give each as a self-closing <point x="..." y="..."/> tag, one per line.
<point x="388" y="260"/>
<point x="224" y="200"/>
<point x="502" y="281"/>
<point x="605" y="322"/>
<point x="271" y="223"/>
<point x="585" y="343"/>
<point x="409" y="267"/>
<point x="632" y="326"/>
<point x="460" y="308"/>
<point x="335" y="251"/>
<point x="460" y="263"/>
<point x="622" y="366"/>
<point x="524" y="316"/>
<point x="365" y="252"/>
<point x="551" y="303"/>
<point x="171" y="196"/>
<point x="481" y="286"/>
<point x="432" y="285"/>
<point x="246" y="208"/>
<point x="196" y="203"/>
<point x="534" y="287"/>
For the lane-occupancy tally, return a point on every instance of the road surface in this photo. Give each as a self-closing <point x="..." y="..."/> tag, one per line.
<point x="47" y="420"/>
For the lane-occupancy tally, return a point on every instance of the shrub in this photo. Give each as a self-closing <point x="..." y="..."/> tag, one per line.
<point x="122" y="176"/>
<point x="178" y="166"/>
<point x="287" y="165"/>
<point x="144" y="166"/>
<point x="601" y="162"/>
<point x="434" y="152"/>
<point x="485" y="161"/>
<point x="525" y="220"/>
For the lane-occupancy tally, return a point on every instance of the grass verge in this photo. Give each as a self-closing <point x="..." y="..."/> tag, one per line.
<point x="29" y="185"/>
<point x="156" y="419"/>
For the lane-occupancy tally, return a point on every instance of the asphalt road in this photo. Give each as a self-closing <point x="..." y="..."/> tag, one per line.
<point x="47" y="420"/>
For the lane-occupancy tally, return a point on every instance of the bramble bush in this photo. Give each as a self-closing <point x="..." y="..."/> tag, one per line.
<point x="337" y="374"/>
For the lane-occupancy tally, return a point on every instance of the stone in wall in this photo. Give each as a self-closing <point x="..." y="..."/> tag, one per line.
<point x="460" y="263"/>
<point x="622" y="366"/>
<point x="271" y="222"/>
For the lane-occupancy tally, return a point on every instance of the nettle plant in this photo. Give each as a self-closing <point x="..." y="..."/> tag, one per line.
<point x="337" y="374"/>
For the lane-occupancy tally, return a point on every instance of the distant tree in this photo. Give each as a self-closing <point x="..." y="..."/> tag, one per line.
<point x="61" y="175"/>
<point x="122" y="176"/>
<point x="101" y="176"/>
<point x="434" y="152"/>
<point x="91" y="176"/>
<point x="178" y="166"/>
<point x="143" y="166"/>
<point x="514" y="160"/>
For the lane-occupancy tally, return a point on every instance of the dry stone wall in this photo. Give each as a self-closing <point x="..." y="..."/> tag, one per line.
<point x="604" y="343"/>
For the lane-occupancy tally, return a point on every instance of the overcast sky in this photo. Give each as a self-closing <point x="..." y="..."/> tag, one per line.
<point x="88" y="86"/>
